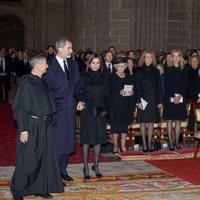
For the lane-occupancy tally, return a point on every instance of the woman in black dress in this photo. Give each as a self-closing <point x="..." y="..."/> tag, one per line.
<point x="122" y="103"/>
<point x="194" y="94"/>
<point x="175" y="96"/>
<point x="148" y="97"/>
<point x="93" y="118"/>
<point x="193" y="91"/>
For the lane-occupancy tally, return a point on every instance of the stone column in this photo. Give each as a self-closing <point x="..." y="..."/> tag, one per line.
<point x="77" y="24"/>
<point x="148" y="24"/>
<point x="120" y="24"/>
<point x="179" y="24"/>
<point x="195" y="24"/>
<point x="51" y="20"/>
<point x="102" y="25"/>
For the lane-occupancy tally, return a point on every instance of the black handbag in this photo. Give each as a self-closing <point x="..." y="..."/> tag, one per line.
<point x="100" y="113"/>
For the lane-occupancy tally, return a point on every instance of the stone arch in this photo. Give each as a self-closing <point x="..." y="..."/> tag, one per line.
<point x="11" y="31"/>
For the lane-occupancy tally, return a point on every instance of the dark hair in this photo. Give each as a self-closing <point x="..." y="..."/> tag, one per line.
<point x="192" y="52"/>
<point x="127" y="53"/>
<point x="91" y="58"/>
<point x="111" y="47"/>
<point x="50" y="46"/>
<point x="132" y="59"/>
<point x="106" y="51"/>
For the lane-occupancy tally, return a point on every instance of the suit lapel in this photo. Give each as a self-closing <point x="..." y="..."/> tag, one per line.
<point x="59" y="71"/>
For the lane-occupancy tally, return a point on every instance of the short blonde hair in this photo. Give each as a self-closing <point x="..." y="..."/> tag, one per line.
<point x="142" y="58"/>
<point x="182" y="61"/>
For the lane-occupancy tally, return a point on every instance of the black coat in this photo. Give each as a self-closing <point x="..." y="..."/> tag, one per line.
<point x="191" y="72"/>
<point x="194" y="88"/>
<point x="5" y="80"/>
<point x="107" y="71"/>
<point x="36" y="169"/>
<point x="175" y="83"/>
<point x="148" y="87"/>
<point x="22" y="68"/>
<point x="93" y="118"/>
<point x="66" y="93"/>
<point x="121" y="109"/>
<point x="193" y="92"/>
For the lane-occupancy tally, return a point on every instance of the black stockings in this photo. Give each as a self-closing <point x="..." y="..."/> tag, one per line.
<point x="86" y="148"/>
<point x="149" y="130"/>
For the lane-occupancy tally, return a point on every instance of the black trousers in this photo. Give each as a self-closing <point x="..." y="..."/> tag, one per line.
<point x="4" y="88"/>
<point x="63" y="161"/>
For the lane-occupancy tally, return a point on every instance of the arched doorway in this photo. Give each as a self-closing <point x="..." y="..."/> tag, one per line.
<point x="11" y="32"/>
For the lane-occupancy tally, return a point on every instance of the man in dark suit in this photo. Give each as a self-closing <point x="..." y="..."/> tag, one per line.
<point x="50" y="52"/>
<point x="63" y="79"/>
<point x="23" y="66"/>
<point x="107" y="65"/>
<point x="5" y="72"/>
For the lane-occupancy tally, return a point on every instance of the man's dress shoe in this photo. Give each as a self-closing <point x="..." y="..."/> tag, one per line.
<point x="67" y="178"/>
<point x="46" y="196"/>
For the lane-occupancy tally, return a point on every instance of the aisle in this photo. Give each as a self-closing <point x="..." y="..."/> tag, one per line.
<point x="8" y="132"/>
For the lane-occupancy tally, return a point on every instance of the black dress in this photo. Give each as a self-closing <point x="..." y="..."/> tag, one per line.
<point x="193" y="92"/>
<point x="175" y="83"/>
<point x="93" y="118"/>
<point x="122" y="107"/>
<point x="148" y="87"/>
<point x="36" y="170"/>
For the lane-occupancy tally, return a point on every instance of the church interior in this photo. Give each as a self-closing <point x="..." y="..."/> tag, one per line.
<point x="126" y="29"/>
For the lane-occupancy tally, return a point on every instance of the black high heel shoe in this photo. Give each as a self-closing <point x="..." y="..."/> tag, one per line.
<point x="178" y="146"/>
<point x="86" y="176"/>
<point x="150" y="150"/>
<point x="98" y="175"/>
<point x="145" y="150"/>
<point x="171" y="148"/>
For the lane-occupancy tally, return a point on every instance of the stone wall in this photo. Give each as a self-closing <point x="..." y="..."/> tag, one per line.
<point x="51" y="20"/>
<point x="141" y="24"/>
<point x="97" y="24"/>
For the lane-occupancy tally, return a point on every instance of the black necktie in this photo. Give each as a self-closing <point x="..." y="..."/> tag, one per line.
<point x="66" y="69"/>
<point x="109" y="69"/>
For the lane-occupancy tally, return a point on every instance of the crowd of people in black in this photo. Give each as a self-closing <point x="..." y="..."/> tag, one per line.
<point x="108" y="88"/>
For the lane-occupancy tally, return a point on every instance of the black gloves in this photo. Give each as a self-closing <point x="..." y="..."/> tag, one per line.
<point x="103" y="114"/>
<point x="100" y="113"/>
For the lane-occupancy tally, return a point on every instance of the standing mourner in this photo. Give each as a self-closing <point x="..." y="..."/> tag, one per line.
<point x="63" y="79"/>
<point x="175" y="96"/>
<point x="121" y="103"/>
<point x="148" y="97"/>
<point x="194" y="95"/>
<point x="36" y="171"/>
<point x="93" y="118"/>
<point x="5" y="76"/>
